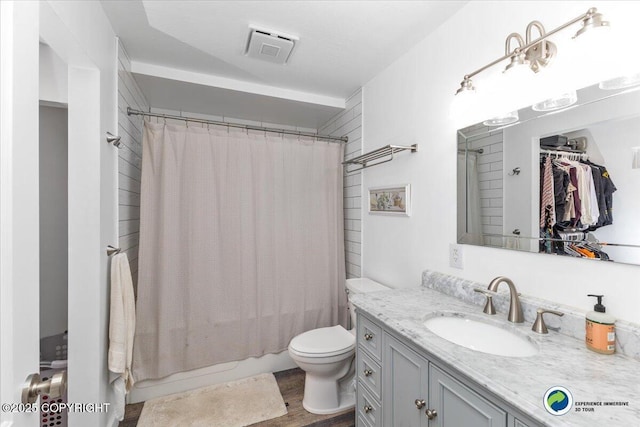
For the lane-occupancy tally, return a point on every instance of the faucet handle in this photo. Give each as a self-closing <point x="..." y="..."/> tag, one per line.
<point x="539" y="325"/>
<point x="488" y="307"/>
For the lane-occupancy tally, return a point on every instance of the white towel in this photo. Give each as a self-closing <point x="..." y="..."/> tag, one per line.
<point x="122" y="321"/>
<point x="513" y="243"/>
<point x="118" y="402"/>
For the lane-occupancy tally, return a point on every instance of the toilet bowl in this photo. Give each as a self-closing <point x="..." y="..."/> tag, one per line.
<point x="327" y="357"/>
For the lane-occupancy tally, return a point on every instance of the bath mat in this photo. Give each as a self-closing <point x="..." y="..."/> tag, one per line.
<point x="233" y="404"/>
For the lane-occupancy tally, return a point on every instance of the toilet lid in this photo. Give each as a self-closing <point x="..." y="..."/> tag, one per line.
<point x="323" y="342"/>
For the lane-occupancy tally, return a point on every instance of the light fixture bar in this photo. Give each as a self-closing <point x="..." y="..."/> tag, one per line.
<point x="588" y="14"/>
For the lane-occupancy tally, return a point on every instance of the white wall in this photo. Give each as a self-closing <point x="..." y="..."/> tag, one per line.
<point x="349" y="123"/>
<point x="408" y="103"/>
<point x="53" y="221"/>
<point x="129" y="161"/>
<point x="616" y="141"/>
<point x="521" y="150"/>
<point x="53" y="77"/>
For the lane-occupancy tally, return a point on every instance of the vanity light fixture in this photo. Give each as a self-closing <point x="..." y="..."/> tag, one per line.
<point x="540" y="54"/>
<point x="518" y="58"/>
<point x="593" y="19"/>
<point x="537" y="53"/>
<point x="466" y="87"/>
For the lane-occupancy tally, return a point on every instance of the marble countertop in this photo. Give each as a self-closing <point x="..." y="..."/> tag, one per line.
<point x="521" y="381"/>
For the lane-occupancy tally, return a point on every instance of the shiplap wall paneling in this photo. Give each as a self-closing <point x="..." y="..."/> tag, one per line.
<point x="349" y="123"/>
<point x="129" y="161"/>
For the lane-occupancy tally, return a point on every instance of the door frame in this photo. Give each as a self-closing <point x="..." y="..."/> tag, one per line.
<point x="24" y="24"/>
<point x="19" y="204"/>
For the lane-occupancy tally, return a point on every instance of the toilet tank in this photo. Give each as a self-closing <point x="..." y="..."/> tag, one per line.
<point x="361" y="286"/>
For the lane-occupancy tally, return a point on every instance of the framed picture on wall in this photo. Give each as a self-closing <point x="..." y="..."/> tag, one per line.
<point x="391" y="200"/>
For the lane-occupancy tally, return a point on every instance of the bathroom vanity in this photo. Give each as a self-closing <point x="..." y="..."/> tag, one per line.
<point x="418" y="391"/>
<point x="409" y="376"/>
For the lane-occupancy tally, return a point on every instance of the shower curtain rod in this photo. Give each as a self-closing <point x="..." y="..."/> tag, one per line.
<point x="132" y="112"/>
<point x="471" y="150"/>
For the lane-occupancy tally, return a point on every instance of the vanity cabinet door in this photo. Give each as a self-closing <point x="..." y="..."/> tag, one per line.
<point x="456" y="405"/>
<point x="405" y="380"/>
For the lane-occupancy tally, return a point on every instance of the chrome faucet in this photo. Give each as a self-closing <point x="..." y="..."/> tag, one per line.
<point x="515" y="308"/>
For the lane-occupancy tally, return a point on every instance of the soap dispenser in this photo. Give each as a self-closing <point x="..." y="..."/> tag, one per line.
<point x="600" y="329"/>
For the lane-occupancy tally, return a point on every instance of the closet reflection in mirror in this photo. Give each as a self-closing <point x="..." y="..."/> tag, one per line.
<point x="591" y="198"/>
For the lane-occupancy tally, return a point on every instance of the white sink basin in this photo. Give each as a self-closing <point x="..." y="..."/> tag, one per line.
<point x="480" y="336"/>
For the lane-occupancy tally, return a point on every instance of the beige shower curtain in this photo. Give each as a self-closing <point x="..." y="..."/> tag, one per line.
<point x="241" y="245"/>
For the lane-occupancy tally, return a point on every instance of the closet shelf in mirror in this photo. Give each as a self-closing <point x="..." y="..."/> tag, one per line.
<point x="381" y="155"/>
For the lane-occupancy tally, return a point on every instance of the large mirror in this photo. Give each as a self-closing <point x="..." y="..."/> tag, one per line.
<point x="563" y="182"/>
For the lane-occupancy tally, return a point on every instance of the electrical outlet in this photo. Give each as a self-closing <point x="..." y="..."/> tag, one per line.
<point x="455" y="256"/>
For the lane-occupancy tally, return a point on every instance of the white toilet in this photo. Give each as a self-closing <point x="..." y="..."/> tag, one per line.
<point x="327" y="357"/>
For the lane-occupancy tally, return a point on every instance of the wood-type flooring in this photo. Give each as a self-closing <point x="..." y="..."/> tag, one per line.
<point x="291" y="383"/>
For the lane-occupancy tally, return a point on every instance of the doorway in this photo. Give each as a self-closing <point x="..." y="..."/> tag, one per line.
<point x="54" y="272"/>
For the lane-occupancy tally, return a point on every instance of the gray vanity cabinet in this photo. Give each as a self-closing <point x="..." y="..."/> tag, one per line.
<point x="368" y="373"/>
<point x="405" y="379"/>
<point x="456" y="405"/>
<point x="414" y="387"/>
<point x="400" y="387"/>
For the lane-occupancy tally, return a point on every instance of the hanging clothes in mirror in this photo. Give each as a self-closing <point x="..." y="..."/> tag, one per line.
<point x="575" y="194"/>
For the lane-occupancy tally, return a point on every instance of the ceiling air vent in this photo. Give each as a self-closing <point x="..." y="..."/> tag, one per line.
<point x="269" y="46"/>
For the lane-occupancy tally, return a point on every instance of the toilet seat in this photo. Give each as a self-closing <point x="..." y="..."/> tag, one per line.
<point x="323" y="342"/>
